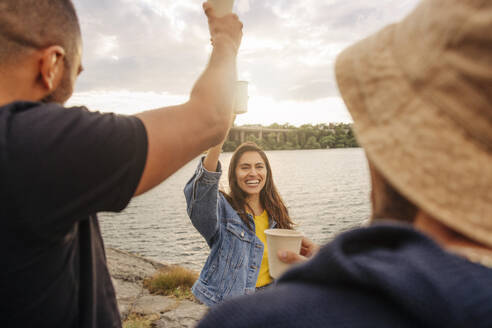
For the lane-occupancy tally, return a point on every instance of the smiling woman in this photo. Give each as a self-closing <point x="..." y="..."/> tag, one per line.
<point x="234" y="224"/>
<point x="252" y="188"/>
<point x="251" y="173"/>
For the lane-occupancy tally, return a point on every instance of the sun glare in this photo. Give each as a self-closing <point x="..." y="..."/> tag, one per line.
<point x="261" y="110"/>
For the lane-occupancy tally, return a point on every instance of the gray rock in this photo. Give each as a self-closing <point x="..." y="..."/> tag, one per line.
<point x="187" y="314"/>
<point x="154" y="304"/>
<point x="129" y="267"/>
<point x="128" y="272"/>
<point x="127" y="294"/>
<point x="127" y="290"/>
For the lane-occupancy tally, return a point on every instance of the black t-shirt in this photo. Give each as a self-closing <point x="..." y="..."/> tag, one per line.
<point x="59" y="166"/>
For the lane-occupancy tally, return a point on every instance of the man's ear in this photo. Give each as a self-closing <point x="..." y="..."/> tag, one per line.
<point x="51" y="67"/>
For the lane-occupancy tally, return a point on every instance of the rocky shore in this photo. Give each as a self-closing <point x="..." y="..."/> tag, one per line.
<point x="128" y="272"/>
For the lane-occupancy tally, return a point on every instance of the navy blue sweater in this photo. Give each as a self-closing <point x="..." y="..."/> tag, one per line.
<point x="386" y="275"/>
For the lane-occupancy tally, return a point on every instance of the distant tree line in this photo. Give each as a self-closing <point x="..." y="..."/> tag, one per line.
<point x="307" y="136"/>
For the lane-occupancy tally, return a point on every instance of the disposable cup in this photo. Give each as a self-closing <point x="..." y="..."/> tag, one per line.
<point x="241" y="97"/>
<point x="222" y="7"/>
<point x="285" y="240"/>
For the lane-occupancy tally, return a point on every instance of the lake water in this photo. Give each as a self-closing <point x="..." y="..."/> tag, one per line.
<point x="325" y="190"/>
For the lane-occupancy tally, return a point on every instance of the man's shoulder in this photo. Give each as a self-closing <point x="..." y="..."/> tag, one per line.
<point x="305" y="305"/>
<point x="37" y="115"/>
<point x="29" y="121"/>
<point x="19" y="107"/>
<point x="36" y="124"/>
<point x="389" y="275"/>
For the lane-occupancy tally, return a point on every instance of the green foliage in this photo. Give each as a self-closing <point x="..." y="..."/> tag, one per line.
<point x="139" y="321"/>
<point x="230" y="145"/>
<point x="307" y="136"/>
<point x="328" y="141"/>
<point x="289" y="146"/>
<point x="312" y="143"/>
<point x="172" y="281"/>
<point x="252" y="138"/>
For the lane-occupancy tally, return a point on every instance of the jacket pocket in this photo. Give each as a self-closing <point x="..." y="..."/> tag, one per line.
<point x="238" y="245"/>
<point x="240" y="232"/>
<point x="210" y="271"/>
<point x="235" y="251"/>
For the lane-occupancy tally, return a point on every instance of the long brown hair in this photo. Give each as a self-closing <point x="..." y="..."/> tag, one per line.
<point x="269" y="196"/>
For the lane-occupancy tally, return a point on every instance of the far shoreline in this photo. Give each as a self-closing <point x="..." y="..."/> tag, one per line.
<point x="358" y="147"/>
<point x="288" y="137"/>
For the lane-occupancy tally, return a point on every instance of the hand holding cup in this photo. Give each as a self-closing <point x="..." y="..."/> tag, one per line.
<point x="308" y="250"/>
<point x="223" y="28"/>
<point x="281" y="240"/>
<point x="222" y="7"/>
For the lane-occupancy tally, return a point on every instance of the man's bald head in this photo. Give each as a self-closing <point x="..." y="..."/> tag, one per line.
<point x="36" y="24"/>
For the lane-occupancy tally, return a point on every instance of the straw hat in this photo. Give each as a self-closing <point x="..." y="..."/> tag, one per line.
<point x="420" y="94"/>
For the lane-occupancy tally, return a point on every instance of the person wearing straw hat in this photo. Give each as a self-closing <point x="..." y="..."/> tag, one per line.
<point x="420" y="93"/>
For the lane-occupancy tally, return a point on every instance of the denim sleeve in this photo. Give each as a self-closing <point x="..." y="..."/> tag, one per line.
<point x="202" y="200"/>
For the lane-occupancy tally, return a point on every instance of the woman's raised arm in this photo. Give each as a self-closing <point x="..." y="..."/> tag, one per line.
<point x="212" y="158"/>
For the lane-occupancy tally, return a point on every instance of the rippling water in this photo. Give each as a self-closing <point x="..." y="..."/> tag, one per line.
<point x="326" y="191"/>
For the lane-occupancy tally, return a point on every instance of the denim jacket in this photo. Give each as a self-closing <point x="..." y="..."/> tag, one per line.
<point x="236" y="252"/>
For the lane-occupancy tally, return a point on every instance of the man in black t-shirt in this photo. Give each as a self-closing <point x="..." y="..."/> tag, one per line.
<point x="60" y="166"/>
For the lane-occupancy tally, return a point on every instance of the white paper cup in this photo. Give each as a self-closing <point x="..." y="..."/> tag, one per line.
<point x="285" y="240"/>
<point x="222" y="7"/>
<point x="241" y="97"/>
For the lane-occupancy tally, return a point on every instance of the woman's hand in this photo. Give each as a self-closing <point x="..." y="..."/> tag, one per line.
<point x="308" y="250"/>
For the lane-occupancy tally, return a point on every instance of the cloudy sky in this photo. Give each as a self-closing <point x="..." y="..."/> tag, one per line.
<point x="144" y="54"/>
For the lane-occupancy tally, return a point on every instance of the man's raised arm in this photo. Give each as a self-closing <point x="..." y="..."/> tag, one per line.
<point x="178" y="134"/>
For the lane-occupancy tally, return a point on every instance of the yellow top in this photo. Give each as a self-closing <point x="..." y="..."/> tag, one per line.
<point x="261" y="224"/>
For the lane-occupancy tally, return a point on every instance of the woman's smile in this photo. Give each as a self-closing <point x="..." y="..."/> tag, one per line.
<point x="251" y="173"/>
